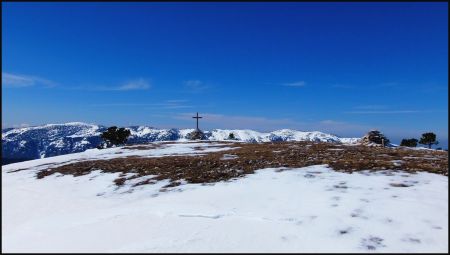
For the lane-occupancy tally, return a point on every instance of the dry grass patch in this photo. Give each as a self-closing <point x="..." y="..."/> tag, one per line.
<point x="249" y="157"/>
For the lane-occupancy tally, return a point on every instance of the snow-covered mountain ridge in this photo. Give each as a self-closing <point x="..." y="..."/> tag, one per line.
<point x="59" y="139"/>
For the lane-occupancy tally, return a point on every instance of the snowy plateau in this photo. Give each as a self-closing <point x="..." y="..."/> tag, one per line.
<point x="307" y="209"/>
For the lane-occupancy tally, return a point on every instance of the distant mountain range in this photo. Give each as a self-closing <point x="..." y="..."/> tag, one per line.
<point x="19" y="144"/>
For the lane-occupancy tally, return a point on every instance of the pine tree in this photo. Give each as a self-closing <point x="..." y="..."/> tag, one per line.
<point x="115" y="136"/>
<point x="409" y="142"/>
<point x="428" y="139"/>
<point x="231" y="136"/>
<point x="375" y="136"/>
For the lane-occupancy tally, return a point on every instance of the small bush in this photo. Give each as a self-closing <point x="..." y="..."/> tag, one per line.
<point x="409" y="142"/>
<point x="231" y="136"/>
<point x="115" y="136"/>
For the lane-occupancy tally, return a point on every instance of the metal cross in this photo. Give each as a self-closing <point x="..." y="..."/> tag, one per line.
<point x="197" y="117"/>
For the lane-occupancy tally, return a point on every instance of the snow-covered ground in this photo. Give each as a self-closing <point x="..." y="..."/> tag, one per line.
<point x="311" y="209"/>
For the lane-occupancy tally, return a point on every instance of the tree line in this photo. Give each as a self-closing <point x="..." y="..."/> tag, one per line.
<point x="114" y="136"/>
<point x="426" y="139"/>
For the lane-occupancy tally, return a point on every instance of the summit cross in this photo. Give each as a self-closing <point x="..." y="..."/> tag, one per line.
<point x="197" y="117"/>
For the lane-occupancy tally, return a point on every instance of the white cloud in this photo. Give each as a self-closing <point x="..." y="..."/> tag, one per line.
<point x="195" y="86"/>
<point x="371" y="107"/>
<point x="295" y="84"/>
<point x="21" y="81"/>
<point x="365" y="86"/>
<point x="139" y="84"/>
<point x="386" y="112"/>
<point x="168" y="104"/>
<point x="343" y="86"/>
<point x="12" y="80"/>
<point x="176" y="101"/>
<point x="172" y="104"/>
<point x="121" y="104"/>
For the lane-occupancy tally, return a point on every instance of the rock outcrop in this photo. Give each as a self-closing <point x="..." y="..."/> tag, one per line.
<point x="196" y="135"/>
<point x="374" y="138"/>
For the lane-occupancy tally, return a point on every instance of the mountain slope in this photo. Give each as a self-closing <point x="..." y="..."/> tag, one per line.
<point x="20" y="144"/>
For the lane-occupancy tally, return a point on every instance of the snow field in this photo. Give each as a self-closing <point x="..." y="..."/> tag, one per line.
<point x="310" y="209"/>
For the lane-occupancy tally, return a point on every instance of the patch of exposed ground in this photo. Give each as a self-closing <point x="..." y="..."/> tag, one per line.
<point x="245" y="158"/>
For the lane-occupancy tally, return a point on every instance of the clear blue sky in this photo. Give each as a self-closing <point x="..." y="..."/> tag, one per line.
<point x="342" y="68"/>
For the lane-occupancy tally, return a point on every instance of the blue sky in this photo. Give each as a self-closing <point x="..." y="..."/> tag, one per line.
<point x="342" y="68"/>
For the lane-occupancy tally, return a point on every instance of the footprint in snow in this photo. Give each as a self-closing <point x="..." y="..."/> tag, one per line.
<point x="345" y="231"/>
<point x="336" y="198"/>
<point x="358" y="213"/>
<point x="388" y="220"/>
<point x="411" y="240"/>
<point x="287" y="219"/>
<point x="398" y="185"/>
<point x="201" y="216"/>
<point x="372" y="243"/>
<point x="309" y="176"/>
<point x="287" y="238"/>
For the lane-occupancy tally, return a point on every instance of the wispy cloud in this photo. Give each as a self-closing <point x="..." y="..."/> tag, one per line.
<point x="173" y="106"/>
<point x="371" y="107"/>
<point x="431" y="88"/>
<point x="139" y="84"/>
<point x="295" y="84"/>
<point x="168" y="104"/>
<point x="121" y="104"/>
<point x="195" y="86"/>
<point x="365" y="86"/>
<point x="343" y="86"/>
<point x="176" y="101"/>
<point x="382" y="109"/>
<point x="20" y="81"/>
<point x="390" y="84"/>
<point x="387" y="112"/>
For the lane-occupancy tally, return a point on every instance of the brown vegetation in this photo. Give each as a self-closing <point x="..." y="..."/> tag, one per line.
<point x="245" y="158"/>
